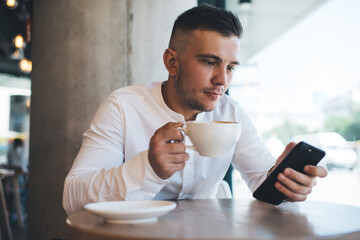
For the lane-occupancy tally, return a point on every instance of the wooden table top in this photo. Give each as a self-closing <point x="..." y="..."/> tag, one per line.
<point x="231" y="219"/>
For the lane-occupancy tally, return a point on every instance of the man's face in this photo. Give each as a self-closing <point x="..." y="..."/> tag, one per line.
<point x="206" y="69"/>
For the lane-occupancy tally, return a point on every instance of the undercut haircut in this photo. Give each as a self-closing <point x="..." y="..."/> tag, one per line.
<point x="204" y="17"/>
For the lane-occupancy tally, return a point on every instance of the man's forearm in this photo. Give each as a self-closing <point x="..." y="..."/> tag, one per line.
<point x="133" y="180"/>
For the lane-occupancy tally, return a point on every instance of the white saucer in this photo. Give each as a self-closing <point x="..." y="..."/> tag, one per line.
<point x="130" y="211"/>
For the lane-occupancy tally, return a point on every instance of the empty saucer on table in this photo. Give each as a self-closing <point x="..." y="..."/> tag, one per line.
<point x="130" y="211"/>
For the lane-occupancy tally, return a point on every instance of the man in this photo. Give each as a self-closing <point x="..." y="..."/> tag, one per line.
<point x="133" y="149"/>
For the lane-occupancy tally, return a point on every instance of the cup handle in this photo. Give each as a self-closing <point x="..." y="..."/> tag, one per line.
<point x="185" y="132"/>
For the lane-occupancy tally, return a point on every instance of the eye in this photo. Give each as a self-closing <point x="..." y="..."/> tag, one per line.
<point x="231" y="68"/>
<point x="209" y="63"/>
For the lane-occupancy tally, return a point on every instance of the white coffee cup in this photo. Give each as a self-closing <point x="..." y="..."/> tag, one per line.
<point x="212" y="139"/>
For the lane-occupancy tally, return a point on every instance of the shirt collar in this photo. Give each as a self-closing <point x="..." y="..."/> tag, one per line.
<point x="203" y="116"/>
<point x="160" y="100"/>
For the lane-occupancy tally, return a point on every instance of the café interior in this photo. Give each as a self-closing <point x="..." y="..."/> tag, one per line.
<point x="60" y="59"/>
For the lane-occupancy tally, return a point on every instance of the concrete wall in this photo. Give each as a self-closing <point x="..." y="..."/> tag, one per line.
<point x="83" y="50"/>
<point x="150" y="34"/>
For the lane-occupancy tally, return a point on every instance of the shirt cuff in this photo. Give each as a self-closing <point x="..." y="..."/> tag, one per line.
<point x="150" y="174"/>
<point x="141" y="180"/>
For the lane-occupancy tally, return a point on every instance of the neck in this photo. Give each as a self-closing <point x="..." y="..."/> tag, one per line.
<point x="171" y="99"/>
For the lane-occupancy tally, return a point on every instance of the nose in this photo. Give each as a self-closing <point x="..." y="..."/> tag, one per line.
<point x="220" y="77"/>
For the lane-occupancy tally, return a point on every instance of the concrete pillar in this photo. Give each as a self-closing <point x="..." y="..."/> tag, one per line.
<point x="152" y="21"/>
<point x="83" y="50"/>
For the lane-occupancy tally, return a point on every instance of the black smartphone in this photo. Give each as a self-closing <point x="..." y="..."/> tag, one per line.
<point x="301" y="155"/>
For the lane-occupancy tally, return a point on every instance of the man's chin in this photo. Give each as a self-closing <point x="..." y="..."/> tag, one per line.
<point x="203" y="106"/>
<point x="207" y="108"/>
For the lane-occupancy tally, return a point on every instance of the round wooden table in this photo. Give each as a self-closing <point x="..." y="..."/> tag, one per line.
<point x="230" y="219"/>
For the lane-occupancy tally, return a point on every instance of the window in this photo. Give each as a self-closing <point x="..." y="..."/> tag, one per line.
<point x="306" y="83"/>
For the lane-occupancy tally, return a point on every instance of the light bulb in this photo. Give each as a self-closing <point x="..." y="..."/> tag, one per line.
<point x="11" y="3"/>
<point x="25" y="65"/>
<point x="19" y="41"/>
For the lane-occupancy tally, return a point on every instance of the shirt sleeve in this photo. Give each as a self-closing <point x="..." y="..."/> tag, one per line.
<point x="251" y="158"/>
<point x="99" y="172"/>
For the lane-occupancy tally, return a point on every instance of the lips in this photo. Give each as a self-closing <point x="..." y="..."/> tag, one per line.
<point x="213" y="95"/>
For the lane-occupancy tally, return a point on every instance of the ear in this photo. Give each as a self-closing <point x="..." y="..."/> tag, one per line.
<point x="169" y="59"/>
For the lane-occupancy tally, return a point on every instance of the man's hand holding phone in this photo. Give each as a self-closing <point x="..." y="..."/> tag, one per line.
<point x="293" y="175"/>
<point x="296" y="185"/>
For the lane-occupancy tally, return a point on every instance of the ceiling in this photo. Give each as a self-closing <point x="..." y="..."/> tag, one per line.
<point x="263" y="22"/>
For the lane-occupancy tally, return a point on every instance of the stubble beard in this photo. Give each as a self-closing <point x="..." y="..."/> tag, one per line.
<point x="186" y="96"/>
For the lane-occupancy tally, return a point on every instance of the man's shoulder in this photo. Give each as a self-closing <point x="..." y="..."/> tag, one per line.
<point x="135" y="91"/>
<point x="227" y="101"/>
<point x="229" y="109"/>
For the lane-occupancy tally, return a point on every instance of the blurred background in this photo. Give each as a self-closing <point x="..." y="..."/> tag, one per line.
<point x="299" y="80"/>
<point x="304" y="85"/>
<point x="15" y="91"/>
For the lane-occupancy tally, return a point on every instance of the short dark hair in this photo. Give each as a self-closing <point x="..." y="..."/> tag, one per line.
<point x="207" y="17"/>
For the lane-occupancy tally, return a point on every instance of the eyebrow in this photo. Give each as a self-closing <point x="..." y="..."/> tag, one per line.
<point x="216" y="58"/>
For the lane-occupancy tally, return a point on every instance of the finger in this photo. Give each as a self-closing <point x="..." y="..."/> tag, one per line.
<point x="179" y="158"/>
<point x="176" y="163"/>
<point x="175" y="167"/>
<point x="316" y="171"/>
<point x="168" y="133"/>
<point x="294" y="186"/>
<point x="291" y="196"/>
<point x="165" y="171"/>
<point x="166" y="165"/>
<point x="300" y="178"/>
<point x="176" y="147"/>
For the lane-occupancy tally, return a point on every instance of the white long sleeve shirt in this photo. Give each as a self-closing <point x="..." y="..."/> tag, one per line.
<point x="113" y="164"/>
